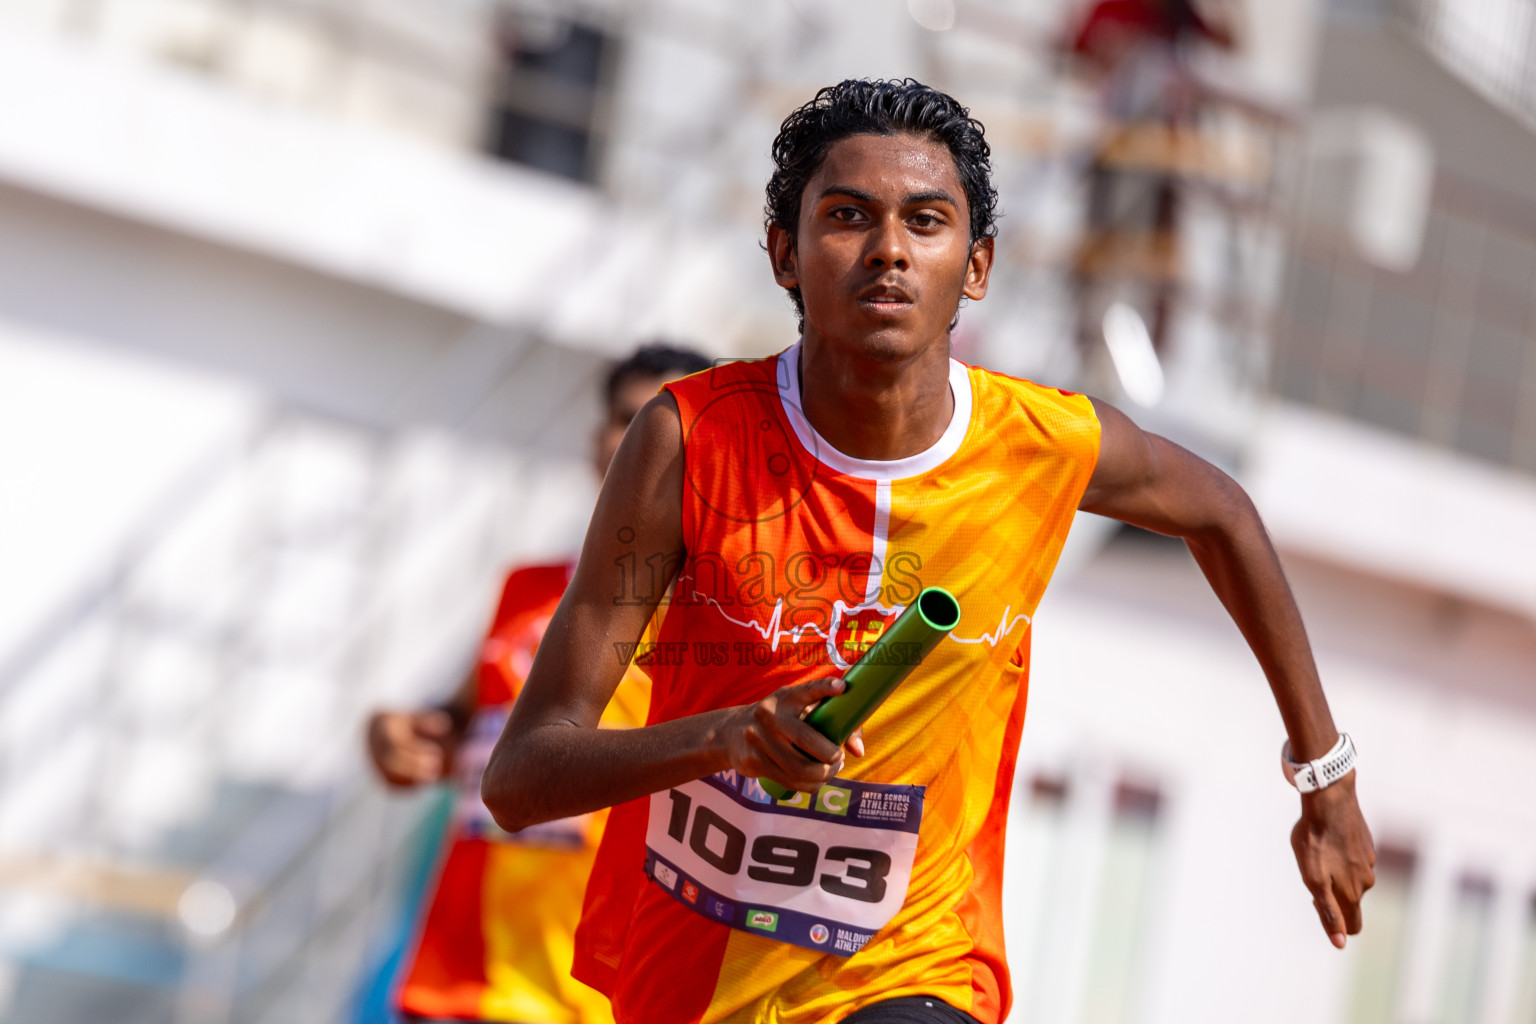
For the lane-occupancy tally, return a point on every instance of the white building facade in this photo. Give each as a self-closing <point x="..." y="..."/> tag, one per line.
<point x="303" y="308"/>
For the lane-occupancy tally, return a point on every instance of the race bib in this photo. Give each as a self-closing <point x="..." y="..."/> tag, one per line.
<point x="823" y="870"/>
<point x="474" y="820"/>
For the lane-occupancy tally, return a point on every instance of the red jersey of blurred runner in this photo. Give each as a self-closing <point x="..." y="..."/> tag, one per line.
<point x="496" y="944"/>
<point x="1112" y="24"/>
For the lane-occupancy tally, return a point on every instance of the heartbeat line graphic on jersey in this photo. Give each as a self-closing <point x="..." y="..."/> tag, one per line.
<point x="773" y="634"/>
<point x="1004" y="627"/>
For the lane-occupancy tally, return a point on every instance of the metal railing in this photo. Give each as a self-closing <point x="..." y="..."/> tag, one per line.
<point x="1441" y="353"/>
<point x="290" y="861"/>
<point x="1489" y="44"/>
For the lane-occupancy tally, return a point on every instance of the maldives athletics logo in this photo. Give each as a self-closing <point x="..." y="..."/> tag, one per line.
<point x="820" y="934"/>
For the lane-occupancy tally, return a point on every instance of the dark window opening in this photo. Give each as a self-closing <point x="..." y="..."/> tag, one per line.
<point x="549" y="90"/>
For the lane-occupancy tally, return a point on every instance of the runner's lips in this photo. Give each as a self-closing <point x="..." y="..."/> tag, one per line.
<point x="885" y="298"/>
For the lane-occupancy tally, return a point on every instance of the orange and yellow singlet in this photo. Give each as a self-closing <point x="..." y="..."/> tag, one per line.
<point x="713" y="902"/>
<point x="496" y="944"/>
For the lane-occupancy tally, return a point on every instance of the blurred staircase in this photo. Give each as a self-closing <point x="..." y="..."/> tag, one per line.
<point x="188" y="832"/>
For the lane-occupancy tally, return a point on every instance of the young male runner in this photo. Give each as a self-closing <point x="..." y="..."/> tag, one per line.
<point x="496" y="941"/>
<point x="799" y="502"/>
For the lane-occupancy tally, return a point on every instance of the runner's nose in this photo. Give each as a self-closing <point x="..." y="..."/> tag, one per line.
<point x="888" y="245"/>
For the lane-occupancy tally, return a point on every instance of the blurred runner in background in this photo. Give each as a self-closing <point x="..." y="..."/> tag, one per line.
<point x="495" y="944"/>
<point x="1138" y="54"/>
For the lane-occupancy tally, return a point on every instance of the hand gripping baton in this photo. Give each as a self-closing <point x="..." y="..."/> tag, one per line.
<point x="875" y="676"/>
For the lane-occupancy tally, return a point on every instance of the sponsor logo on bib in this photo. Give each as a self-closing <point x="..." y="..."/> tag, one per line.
<point x="820" y="934"/>
<point x="763" y="920"/>
<point x="849" y="941"/>
<point x="690" y="892"/>
<point x="833" y="799"/>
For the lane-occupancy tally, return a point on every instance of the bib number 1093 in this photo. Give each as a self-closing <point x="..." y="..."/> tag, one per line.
<point x="824" y="871"/>
<point x="780" y="860"/>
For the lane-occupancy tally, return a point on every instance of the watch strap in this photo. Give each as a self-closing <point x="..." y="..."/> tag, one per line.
<point x="1311" y="776"/>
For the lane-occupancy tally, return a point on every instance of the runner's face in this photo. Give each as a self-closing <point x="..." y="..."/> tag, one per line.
<point x="630" y="398"/>
<point x="884" y="252"/>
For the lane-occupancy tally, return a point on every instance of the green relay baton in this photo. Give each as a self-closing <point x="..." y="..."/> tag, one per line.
<point x="875" y="676"/>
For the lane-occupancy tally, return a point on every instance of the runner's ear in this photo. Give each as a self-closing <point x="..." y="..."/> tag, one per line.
<point x="783" y="257"/>
<point x="978" y="270"/>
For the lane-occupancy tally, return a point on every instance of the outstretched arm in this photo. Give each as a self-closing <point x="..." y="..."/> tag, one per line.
<point x="551" y="760"/>
<point x="1150" y="482"/>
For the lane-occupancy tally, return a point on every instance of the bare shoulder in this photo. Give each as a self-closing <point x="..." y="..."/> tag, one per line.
<point x="658" y="427"/>
<point x="1149" y="481"/>
<point x="649" y="464"/>
<point x="639" y="511"/>
<point x="1127" y="457"/>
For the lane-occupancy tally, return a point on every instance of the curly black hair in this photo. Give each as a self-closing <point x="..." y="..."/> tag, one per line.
<point x="861" y="106"/>
<point x="653" y="359"/>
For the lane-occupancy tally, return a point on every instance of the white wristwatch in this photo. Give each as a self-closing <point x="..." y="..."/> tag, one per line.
<point x="1311" y="776"/>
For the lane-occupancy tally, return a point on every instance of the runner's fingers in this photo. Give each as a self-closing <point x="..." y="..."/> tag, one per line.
<point x="777" y="731"/>
<point x="1349" y="908"/>
<point x="401" y="768"/>
<point x="434" y="763"/>
<point x="436" y="723"/>
<point x="402" y="755"/>
<point x="383" y="727"/>
<point x="769" y="766"/>
<point x="789" y="767"/>
<point x="855" y="744"/>
<point x="1333" y="921"/>
<point x="420" y="757"/>
<point x="790" y="751"/>
<point x="800" y="696"/>
<point x="408" y="764"/>
<point x="774" y="754"/>
<point x="779" y="723"/>
<point x="399" y="733"/>
<point x="810" y="743"/>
